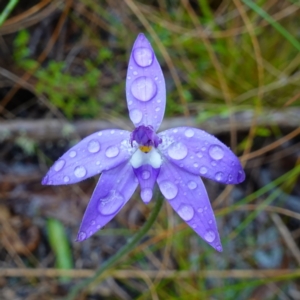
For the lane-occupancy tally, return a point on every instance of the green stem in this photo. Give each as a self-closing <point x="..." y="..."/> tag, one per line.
<point x="131" y="244"/>
<point x="7" y="10"/>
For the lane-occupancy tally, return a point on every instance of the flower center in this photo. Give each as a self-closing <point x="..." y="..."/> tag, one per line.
<point x="146" y="138"/>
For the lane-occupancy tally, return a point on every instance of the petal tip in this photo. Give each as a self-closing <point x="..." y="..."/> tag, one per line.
<point x="241" y="176"/>
<point x="219" y="248"/>
<point x="46" y="181"/>
<point x="81" y="236"/>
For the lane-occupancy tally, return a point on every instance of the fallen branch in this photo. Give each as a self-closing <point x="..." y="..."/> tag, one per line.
<point x="39" y="130"/>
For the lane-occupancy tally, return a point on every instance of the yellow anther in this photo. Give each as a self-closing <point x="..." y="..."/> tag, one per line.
<point x="145" y="149"/>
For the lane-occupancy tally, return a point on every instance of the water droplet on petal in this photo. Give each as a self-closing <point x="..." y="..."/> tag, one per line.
<point x="66" y="179"/>
<point x="143" y="56"/>
<point x="93" y="146"/>
<point x="80" y="172"/>
<point x="143" y="88"/>
<point x="230" y="177"/>
<point x="189" y="132"/>
<point x="219" y="176"/>
<point x="203" y="149"/>
<point x="186" y="212"/>
<point x="216" y="152"/>
<point x="81" y="236"/>
<point x="200" y="210"/>
<point x="213" y="163"/>
<point x="203" y="170"/>
<point x="59" y="165"/>
<point x="135" y="73"/>
<point x="241" y="176"/>
<point x="146" y="195"/>
<point x="112" y="131"/>
<point x="195" y="165"/>
<point x="157" y="109"/>
<point x="135" y="116"/>
<point x="99" y="133"/>
<point x="111" y="204"/>
<point x="210" y="236"/>
<point x="72" y="153"/>
<point x="192" y="185"/>
<point x="199" y="154"/>
<point x="145" y="175"/>
<point x="194" y="226"/>
<point x="210" y="222"/>
<point x="168" y="189"/>
<point x="112" y="151"/>
<point x="177" y="151"/>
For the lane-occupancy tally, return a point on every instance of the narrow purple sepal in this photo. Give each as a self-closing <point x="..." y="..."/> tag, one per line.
<point x="113" y="190"/>
<point x="146" y="176"/>
<point x="99" y="151"/>
<point x="145" y="86"/>
<point x="187" y="195"/>
<point x="200" y="153"/>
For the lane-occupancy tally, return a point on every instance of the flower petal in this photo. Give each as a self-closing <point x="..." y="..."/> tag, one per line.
<point x="100" y="151"/>
<point x="200" y="153"/>
<point x="145" y="86"/>
<point x="187" y="195"/>
<point x="113" y="190"/>
<point x="146" y="176"/>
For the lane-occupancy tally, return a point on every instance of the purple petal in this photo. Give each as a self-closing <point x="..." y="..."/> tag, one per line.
<point x="146" y="176"/>
<point x="145" y="86"/>
<point x="100" y="151"/>
<point x="200" y="153"/>
<point x="113" y="190"/>
<point x="187" y="195"/>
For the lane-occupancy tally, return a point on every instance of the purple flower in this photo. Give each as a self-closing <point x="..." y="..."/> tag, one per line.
<point x="175" y="158"/>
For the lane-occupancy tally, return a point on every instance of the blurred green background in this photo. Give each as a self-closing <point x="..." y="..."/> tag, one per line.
<point x="231" y="68"/>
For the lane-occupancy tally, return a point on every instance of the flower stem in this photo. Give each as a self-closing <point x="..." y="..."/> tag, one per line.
<point x="131" y="244"/>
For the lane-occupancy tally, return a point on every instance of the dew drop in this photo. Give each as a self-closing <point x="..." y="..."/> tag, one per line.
<point x="213" y="163"/>
<point x="199" y="154"/>
<point x="111" y="204"/>
<point x="195" y="165"/>
<point x="241" y="176"/>
<point x="168" y="189"/>
<point x="81" y="236"/>
<point x="210" y="222"/>
<point x="177" y="151"/>
<point x="135" y="73"/>
<point x="143" y="56"/>
<point x="158" y="100"/>
<point x="194" y="226"/>
<point x="175" y="130"/>
<point x="157" y="109"/>
<point x="219" y="176"/>
<point x="146" y="195"/>
<point x="230" y="177"/>
<point x="80" y="172"/>
<point x="145" y="175"/>
<point x="130" y="102"/>
<point x="59" y="165"/>
<point x="203" y="170"/>
<point x="143" y="88"/>
<point x="135" y="116"/>
<point x="192" y="185"/>
<point x="98" y="163"/>
<point x="112" y="132"/>
<point x="200" y="210"/>
<point x="112" y="151"/>
<point x="99" y="133"/>
<point x="73" y="153"/>
<point x="186" y="212"/>
<point x="189" y="132"/>
<point x="66" y="179"/>
<point x="216" y="152"/>
<point x="210" y="236"/>
<point x="93" y="146"/>
<point x="203" y="149"/>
